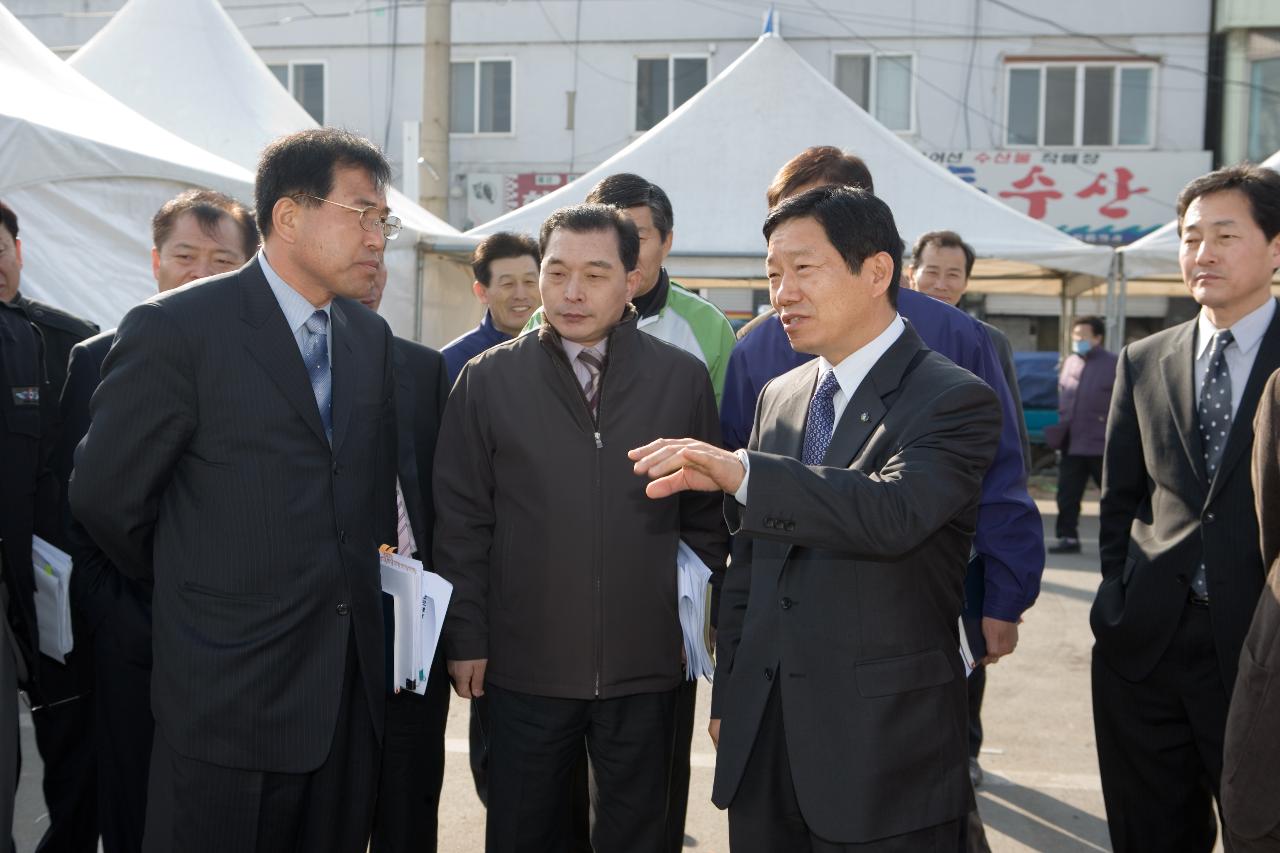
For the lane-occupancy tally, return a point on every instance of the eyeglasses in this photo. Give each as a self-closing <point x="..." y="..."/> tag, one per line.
<point x="370" y="220"/>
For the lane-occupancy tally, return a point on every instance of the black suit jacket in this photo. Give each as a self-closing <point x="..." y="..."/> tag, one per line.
<point x="1250" y="784"/>
<point x="422" y="387"/>
<point x="1160" y="515"/>
<point x="98" y="590"/>
<point x="846" y="591"/>
<point x="206" y="469"/>
<point x="24" y="452"/>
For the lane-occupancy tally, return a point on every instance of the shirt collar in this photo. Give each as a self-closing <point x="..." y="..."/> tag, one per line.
<point x="572" y="349"/>
<point x="297" y="310"/>
<point x="1247" y="331"/>
<point x="854" y="368"/>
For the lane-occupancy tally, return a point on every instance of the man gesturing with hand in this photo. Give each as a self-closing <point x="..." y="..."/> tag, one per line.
<point x="855" y="500"/>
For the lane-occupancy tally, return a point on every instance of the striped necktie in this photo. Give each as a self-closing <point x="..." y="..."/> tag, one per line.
<point x="591" y="360"/>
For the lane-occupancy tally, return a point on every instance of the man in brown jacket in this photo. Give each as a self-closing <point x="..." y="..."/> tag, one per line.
<point x="564" y="611"/>
<point x="1250" y="784"/>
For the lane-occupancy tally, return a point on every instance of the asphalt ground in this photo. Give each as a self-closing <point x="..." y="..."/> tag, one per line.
<point x="1041" y="790"/>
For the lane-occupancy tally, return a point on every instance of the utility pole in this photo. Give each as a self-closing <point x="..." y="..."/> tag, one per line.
<point x="433" y="147"/>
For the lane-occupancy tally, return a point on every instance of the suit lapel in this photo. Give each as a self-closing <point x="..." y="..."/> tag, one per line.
<point x="271" y="343"/>
<point x="344" y="373"/>
<point x="1241" y="437"/>
<point x="1178" y="366"/>
<point x="793" y="408"/>
<point x="867" y="407"/>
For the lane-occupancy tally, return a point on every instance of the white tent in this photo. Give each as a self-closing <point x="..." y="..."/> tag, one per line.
<point x="718" y="152"/>
<point x="185" y="65"/>
<point x="85" y="173"/>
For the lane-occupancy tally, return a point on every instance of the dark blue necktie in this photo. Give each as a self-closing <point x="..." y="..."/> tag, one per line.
<point x="1214" y="414"/>
<point x="821" y="421"/>
<point x="315" y="355"/>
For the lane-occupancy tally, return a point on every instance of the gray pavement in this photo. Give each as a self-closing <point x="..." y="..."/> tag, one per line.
<point x="1041" y="792"/>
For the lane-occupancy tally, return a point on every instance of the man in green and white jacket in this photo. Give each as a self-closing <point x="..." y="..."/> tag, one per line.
<point x="667" y="311"/>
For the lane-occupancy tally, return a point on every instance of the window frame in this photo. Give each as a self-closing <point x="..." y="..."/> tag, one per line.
<point x="475" y="93"/>
<point x="1118" y="67"/>
<point x="873" y="79"/>
<point x="289" y="65"/>
<point x="671" y="83"/>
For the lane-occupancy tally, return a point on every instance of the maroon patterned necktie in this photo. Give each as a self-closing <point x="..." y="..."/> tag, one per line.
<point x="591" y="360"/>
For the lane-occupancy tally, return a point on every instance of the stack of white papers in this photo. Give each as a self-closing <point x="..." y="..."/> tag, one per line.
<point x="693" y="582"/>
<point x="420" y="601"/>
<point x="965" y="654"/>
<point x="53" y="599"/>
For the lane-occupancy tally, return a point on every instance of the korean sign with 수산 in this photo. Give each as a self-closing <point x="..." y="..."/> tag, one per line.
<point x="1107" y="197"/>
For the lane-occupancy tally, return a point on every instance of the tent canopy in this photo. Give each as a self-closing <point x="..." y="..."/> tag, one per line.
<point x="216" y="91"/>
<point x="85" y="173"/>
<point x="717" y="153"/>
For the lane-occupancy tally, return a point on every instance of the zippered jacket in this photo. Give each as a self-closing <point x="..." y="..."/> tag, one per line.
<point x="564" y="571"/>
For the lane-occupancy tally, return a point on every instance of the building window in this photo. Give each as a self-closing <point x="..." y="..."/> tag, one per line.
<point x="305" y="81"/>
<point x="480" y="96"/>
<point x="1264" y="102"/>
<point x="883" y="84"/>
<point x="1080" y="105"/>
<point x="664" y="83"/>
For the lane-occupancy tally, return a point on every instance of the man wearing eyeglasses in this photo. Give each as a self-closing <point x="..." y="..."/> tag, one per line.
<point x="241" y="458"/>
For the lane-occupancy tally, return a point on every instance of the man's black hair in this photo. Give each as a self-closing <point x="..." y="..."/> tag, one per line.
<point x="857" y="224"/>
<point x="585" y="218"/>
<point x="625" y="190"/>
<point x="302" y="164"/>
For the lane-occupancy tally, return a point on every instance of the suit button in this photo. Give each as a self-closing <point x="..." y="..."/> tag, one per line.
<point x="786" y="603"/>
<point x="791" y="526"/>
<point x="337" y="469"/>
<point x="768" y="674"/>
<point x="1210" y="518"/>
<point x="342" y="537"/>
<point x="343" y="609"/>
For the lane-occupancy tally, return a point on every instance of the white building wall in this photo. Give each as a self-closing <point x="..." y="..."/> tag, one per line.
<point x="591" y="46"/>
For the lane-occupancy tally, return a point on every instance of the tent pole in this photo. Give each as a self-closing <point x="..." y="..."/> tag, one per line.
<point x="1122" y="307"/>
<point x="1110" y="318"/>
<point x="1064" y="314"/>
<point x="420" y="268"/>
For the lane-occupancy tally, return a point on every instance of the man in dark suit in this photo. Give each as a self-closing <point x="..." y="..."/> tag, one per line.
<point x="24" y="451"/>
<point x="61" y="710"/>
<point x="838" y="664"/>
<point x="406" y="815"/>
<point x="196" y="234"/>
<point x="1250" y="787"/>
<point x="241" y="458"/>
<point x="1181" y="569"/>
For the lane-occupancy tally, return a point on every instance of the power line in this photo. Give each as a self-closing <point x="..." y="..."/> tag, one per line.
<point x="1211" y="77"/>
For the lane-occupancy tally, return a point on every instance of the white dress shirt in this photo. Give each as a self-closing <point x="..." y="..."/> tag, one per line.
<point x="579" y="369"/>
<point x="297" y="310"/>
<point x="850" y="373"/>
<point x="1240" y="355"/>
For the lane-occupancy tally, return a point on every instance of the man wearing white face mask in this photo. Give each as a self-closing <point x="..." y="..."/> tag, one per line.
<point x="1084" y="396"/>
